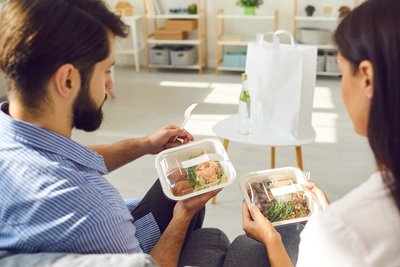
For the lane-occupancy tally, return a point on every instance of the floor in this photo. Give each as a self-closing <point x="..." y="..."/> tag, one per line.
<point x="339" y="160"/>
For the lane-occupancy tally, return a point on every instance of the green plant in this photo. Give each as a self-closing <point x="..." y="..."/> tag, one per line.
<point x="246" y="3"/>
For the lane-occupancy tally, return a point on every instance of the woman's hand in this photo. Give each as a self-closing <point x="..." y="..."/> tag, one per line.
<point x="256" y="226"/>
<point x="167" y="137"/>
<point x="321" y="196"/>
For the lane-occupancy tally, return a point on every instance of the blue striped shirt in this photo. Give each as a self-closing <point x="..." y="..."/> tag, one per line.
<point x="54" y="198"/>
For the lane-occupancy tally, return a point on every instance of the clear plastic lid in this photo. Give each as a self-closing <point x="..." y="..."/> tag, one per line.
<point x="280" y="195"/>
<point x="193" y="169"/>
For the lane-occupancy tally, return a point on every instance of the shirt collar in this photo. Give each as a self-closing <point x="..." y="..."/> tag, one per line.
<point x="32" y="135"/>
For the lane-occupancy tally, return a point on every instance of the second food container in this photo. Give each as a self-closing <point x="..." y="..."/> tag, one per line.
<point x="280" y="195"/>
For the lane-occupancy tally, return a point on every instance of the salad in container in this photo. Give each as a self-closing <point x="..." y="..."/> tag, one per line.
<point x="193" y="169"/>
<point x="280" y="194"/>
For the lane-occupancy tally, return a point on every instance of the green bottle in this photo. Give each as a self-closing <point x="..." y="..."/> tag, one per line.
<point x="244" y="107"/>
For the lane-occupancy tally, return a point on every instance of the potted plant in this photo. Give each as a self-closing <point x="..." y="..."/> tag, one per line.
<point x="249" y="6"/>
<point x="310" y="10"/>
<point x="192" y="9"/>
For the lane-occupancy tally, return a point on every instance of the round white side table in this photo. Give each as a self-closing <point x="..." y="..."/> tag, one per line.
<point x="228" y="130"/>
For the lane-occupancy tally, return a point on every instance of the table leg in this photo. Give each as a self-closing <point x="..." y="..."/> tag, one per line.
<point x="226" y="144"/>
<point x="299" y="157"/>
<point x="272" y="157"/>
<point x="214" y="200"/>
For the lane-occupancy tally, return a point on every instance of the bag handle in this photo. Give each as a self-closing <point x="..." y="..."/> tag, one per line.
<point x="261" y="36"/>
<point x="275" y="37"/>
<point x="287" y="33"/>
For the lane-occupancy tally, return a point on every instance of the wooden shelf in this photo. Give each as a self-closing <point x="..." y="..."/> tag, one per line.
<point x="222" y="68"/>
<point x="329" y="74"/>
<point x="236" y="41"/>
<point x="299" y="18"/>
<point x="135" y="24"/>
<point x="330" y="47"/>
<point x="176" y="42"/>
<point x="327" y="20"/>
<point x="245" y="17"/>
<point x="197" y="37"/>
<point x="127" y="51"/>
<point x="221" y="43"/>
<point x="315" y="19"/>
<point x="327" y="47"/>
<point x="173" y="16"/>
<point x="191" y="67"/>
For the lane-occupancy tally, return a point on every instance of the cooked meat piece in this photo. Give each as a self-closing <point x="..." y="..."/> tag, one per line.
<point x="177" y="174"/>
<point x="182" y="188"/>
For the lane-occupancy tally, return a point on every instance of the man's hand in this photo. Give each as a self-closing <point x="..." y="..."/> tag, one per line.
<point x="166" y="138"/>
<point x="189" y="207"/>
<point x="257" y="226"/>
<point x="118" y="154"/>
<point x="167" y="250"/>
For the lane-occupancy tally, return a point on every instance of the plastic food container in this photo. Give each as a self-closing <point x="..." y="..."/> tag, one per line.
<point x="280" y="195"/>
<point x="193" y="169"/>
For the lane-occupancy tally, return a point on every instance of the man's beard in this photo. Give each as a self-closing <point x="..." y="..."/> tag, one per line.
<point x="86" y="116"/>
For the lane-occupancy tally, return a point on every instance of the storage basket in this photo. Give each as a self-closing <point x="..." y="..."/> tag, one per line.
<point x="321" y="61"/>
<point x="183" y="56"/>
<point x="331" y="64"/>
<point x="159" y="55"/>
<point x="234" y="59"/>
<point x="314" y="36"/>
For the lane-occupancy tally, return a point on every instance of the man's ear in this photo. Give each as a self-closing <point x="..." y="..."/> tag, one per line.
<point x="66" y="80"/>
<point x="366" y="72"/>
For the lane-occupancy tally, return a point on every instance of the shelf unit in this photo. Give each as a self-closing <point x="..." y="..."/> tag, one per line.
<point x="222" y="45"/>
<point x="199" y="38"/>
<point x="319" y="19"/>
<point x="136" y="40"/>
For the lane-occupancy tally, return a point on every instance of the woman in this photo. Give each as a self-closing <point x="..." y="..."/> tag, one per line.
<point x="363" y="228"/>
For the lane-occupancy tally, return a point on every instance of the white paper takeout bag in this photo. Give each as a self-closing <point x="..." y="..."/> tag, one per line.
<point x="281" y="80"/>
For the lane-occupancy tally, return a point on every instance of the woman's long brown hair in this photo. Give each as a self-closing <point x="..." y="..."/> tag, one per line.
<point x="372" y="32"/>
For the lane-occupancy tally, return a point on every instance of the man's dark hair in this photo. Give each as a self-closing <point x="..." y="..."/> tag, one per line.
<point x="39" y="36"/>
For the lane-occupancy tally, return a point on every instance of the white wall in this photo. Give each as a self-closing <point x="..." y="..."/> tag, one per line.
<point x="285" y="8"/>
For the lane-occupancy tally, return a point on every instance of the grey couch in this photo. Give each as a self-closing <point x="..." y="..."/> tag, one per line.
<point x="206" y="247"/>
<point x="67" y="260"/>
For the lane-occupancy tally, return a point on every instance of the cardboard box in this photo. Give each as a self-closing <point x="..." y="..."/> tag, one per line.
<point x="230" y="38"/>
<point x="185" y="25"/>
<point x="162" y="34"/>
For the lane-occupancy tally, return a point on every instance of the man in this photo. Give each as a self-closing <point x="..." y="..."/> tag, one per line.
<point x="56" y="56"/>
